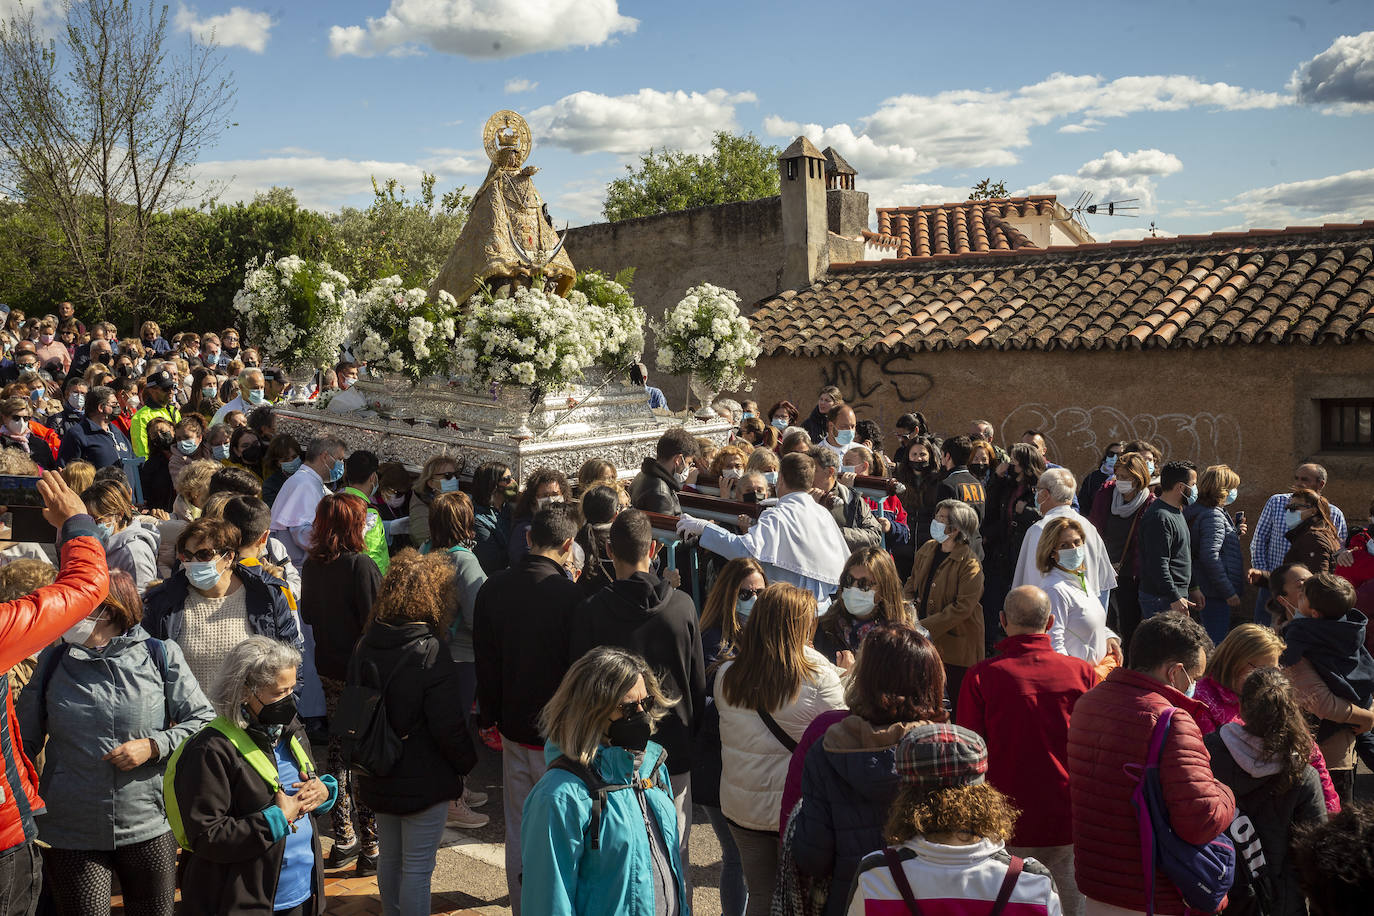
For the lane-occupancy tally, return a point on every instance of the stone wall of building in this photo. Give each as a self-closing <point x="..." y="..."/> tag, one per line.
<point x="1254" y="408"/>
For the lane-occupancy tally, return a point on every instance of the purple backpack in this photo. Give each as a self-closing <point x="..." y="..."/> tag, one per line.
<point x="1203" y="874"/>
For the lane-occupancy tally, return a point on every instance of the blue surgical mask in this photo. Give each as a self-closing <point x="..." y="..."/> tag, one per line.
<point x="290" y="467"/>
<point x="771" y="477"/>
<point x="256" y="396"/>
<point x="844" y="436"/>
<point x="938" y="532"/>
<point x="779" y="423"/>
<point x="187" y="446"/>
<point x="220" y="452"/>
<point x="77" y="402"/>
<point x="848" y="469"/>
<point x="105" y="531"/>
<point x="1292" y="518"/>
<point x="208" y="391"/>
<point x="1109" y="465"/>
<point x="448" y="485"/>
<point x="336" y="471"/>
<point x="1150" y="467"/>
<point x="1072" y="557"/>
<point x="1190" y="495"/>
<point x="744" y="608"/>
<point x="202" y="574"/>
<point x="1230" y="497"/>
<point x="746" y="415"/>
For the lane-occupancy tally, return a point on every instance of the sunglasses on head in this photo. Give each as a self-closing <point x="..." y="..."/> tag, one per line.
<point x="633" y="706"/>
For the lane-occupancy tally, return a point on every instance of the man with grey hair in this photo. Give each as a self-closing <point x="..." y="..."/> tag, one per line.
<point x="1054" y="496"/>
<point x="1270" y="544"/>
<point x="252" y="393"/>
<point x="857" y="525"/>
<point x="294" y="510"/>
<point x="1020" y="702"/>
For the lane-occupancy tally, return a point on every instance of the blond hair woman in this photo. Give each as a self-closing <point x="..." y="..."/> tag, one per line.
<point x="1079" y="626"/>
<point x="599" y="832"/>
<point x="767" y="695"/>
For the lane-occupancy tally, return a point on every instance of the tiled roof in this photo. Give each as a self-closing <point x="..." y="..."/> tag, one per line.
<point x="1296" y="285"/>
<point x="961" y="227"/>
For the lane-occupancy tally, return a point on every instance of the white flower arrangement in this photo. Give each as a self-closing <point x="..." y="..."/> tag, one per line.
<point x="297" y="310"/>
<point x="403" y="330"/>
<point x="537" y="339"/>
<point x="619" y="324"/>
<point x="705" y="335"/>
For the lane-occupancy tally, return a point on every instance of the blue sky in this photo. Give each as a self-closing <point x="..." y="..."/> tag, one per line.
<point x="1218" y="114"/>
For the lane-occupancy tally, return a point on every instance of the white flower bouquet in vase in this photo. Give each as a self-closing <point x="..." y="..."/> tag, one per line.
<point x="618" y="322"/>
<point x="534" y="339"/>
<point x="297" y="311"/>
<point x="705" y="336"/>
<point x="403" y="331"/>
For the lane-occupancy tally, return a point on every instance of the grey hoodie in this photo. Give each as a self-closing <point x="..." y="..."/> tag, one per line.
<point x="96" y="700"/>
<point x="134" y="550"/>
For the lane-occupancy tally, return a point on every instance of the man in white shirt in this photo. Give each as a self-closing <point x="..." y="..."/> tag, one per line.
<point x="252" y="393"/>
<point x="840" y="425"/>
<point x="796" y="541"/>
<point x="294" y="510"/>
<point x="1054" y="495"/>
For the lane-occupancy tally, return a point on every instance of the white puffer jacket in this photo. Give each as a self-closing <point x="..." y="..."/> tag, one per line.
<point x="753" y="761"/>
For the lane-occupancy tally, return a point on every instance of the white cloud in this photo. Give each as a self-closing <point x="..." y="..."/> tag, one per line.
<point x="880" y="160"/>
<point x="520" y="85"/>
<point x="290" y="151"/>
<point x="1342" y="75"/>
<point x="444" y="161"/>
<point x="891" y="192"/>
<point x="319" y="182"/>
<point x="46" y="13"/>
<point x="1116" y="164"/>
<point x="1344" y="198"/>
<point x="482" y="28"/>
<point x="579" y="203"/>
<point x="238" y="28"/>
<point x="1131" y="233"/>
<point x="984" y="128"/>
<point x="587" y="122"/>
<point x="1114" y="176"/>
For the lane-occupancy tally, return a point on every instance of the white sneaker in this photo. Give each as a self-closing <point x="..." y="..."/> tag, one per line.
<point x="474" y="799"/>
<point x="460" y="815"/>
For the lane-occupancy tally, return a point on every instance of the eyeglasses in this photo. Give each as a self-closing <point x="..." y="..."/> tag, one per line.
<point x="26" y="417"/>
<point x="863" y="585"/>
<point x="746" y="593"/>
<point x="200" y="556"/>
<point x="445" y="475"/>
<point x="634" y="706"/>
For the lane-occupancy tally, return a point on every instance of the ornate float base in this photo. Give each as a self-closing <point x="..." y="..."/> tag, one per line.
<point x="411" y="423"/>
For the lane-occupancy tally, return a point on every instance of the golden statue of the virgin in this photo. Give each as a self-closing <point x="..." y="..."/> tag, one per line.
<point x="509" y="239"/>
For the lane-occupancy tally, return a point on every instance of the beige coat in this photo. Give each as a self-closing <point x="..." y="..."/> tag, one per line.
<point x="953" y="613"/>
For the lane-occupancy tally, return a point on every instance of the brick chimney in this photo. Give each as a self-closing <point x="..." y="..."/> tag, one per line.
<point x="806" y="253"/>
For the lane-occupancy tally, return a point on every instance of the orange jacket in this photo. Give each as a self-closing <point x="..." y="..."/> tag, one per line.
<point x="28" y="624"/>
<point x="47" y="434"/>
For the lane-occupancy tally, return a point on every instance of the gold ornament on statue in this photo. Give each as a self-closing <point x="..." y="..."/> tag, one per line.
<point x="507" y="139"/>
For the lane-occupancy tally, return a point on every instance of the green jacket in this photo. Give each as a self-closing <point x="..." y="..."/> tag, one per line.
<point x="374" y="535"/>
<point x="138" y="426"/>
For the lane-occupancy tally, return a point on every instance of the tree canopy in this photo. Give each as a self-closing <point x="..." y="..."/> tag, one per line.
<point x="665" y="181"/>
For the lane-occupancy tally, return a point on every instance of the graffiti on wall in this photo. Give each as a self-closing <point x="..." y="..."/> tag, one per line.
<point x="1078" y="436"/>
<point x="862" y="376"/>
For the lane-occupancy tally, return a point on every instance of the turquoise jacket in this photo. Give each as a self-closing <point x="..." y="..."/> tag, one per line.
<point x="563" y="875"/>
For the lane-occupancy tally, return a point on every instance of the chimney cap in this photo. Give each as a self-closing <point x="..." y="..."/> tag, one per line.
<point x="801" y="148"/>
<point x="835" y="164"/>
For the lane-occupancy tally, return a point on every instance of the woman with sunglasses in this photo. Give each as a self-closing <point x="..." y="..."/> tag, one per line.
<point x="212" y="603"/>
<point x="440" y="475"/>
<point x="870" y="594"/>
<point x="111" y="705"/>
<point x="727" y="609"/>
<point x="586" y="851"/>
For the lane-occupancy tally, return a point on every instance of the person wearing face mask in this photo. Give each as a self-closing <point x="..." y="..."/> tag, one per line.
<point x="217" y="442"/>
<point x="1080" y="626"/>
<point x="1053" y="494"/>
<point x="598" y="727"/>
<point x="661" y="477"/>
<point x="360" y="479"/>
<point x="753" y="487"/>
<point x="212" y="603"/>
<point x="210" y="351"/>
<point x="1093" y="480"/>
<point x="520" y="643"/>
<point x="293" y="512"/>
<point x="440" y="475"/>
<point x="1109" y="733"/>
<point x="839" y="430"/>
<point x="204" y="397"/>
<point x="155" y="475"/>
<point x="1167" y="581"/>
<point x="1216" y="548"/>
<point x="111" y="704"/>
<point x="50" y="348"/>
<point x="870" y="593"/>
<point x="1311" y="535"/>
<point x="157" y="398"/>
<point x="240" y="793"/>
<point x="94" y="438"/>
<point x="15" y="418"/>
<point x="643" y="614"/>
<point x="73" y="405"/>
<point x="246" y="451"/>
<point x="545" y="487"/>
<point x="283" y="459"/>
<point x="957" y="482"/>
<point x="252" y="392"/>
<point x="1117" y="510"/>
<point x="725" y="613"/>
<point x="728" y="467"/>
<point x="918" y="473"/>
<point x="781" y="416"/>
<point x="188" y="437"/>
<point x="494" y="491"/>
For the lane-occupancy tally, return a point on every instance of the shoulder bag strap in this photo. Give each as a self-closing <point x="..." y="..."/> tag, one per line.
<point x="1130" y="536"/>
<point x="894" y="865"/>
<point x="158" y="653"/>
<point x="1008" y="885"/>
<point x="783" y="737"/>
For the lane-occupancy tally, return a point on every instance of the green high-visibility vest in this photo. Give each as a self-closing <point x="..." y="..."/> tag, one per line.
<point x="262" y="764"/>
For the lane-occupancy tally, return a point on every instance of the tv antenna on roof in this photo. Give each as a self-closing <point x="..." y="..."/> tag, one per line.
<point x="1085" y="207"/>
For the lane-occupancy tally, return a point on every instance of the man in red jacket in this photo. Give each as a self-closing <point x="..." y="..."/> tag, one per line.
<point x="1020" y="702"/>
<point x="27" y="625"/>
<point x="1110" y="730"/>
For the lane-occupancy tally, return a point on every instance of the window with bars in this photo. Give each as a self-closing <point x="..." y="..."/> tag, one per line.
<point x="1348" y="424"/>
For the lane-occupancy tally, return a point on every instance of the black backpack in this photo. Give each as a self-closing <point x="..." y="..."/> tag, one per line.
<point x="370" y="745"/>
<point x="597" y="788"/>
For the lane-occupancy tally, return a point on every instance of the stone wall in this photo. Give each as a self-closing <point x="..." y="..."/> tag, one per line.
<point x="738" y="246"/>
<point x="1253" y="408"/>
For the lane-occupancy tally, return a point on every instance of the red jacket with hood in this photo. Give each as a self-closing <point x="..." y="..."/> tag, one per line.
<point x="1111" y="729"/>
<point x="28" y="624"/>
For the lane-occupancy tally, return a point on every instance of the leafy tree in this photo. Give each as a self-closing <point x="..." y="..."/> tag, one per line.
<point x="737" y="168"/>
<point x="398" y="235"/>
<point x="987" y="189"/>
<point x="104" y="150"/>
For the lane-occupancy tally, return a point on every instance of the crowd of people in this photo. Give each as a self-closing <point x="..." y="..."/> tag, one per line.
<point x="910" y="668"/>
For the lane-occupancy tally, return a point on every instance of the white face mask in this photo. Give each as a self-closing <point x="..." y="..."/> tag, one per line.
<point x="730" y="474"/>
<point x="1125" y="488"/>
<point x="938" y="532"/>
<point x="544" y="502"/>
<point x="1072" y="557"/>
<point x="81" y="631"/>
<point x="858" y="603"/>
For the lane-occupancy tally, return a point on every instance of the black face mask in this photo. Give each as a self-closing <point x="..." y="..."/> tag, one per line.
<point x="103" y="357"/>
<point x="161" y="441"/>
<point x="750" y="497"/>
<point x="279" y="713"/>
<point x="252" y="455"/>
<point x="630" y="732"/>
<point x="978" y="470"/>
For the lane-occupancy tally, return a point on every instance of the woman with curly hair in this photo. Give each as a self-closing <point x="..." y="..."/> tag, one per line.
<point x="950" y="827"/>
<point x="1264" y="761"/>
<point x="545" y="487"/>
